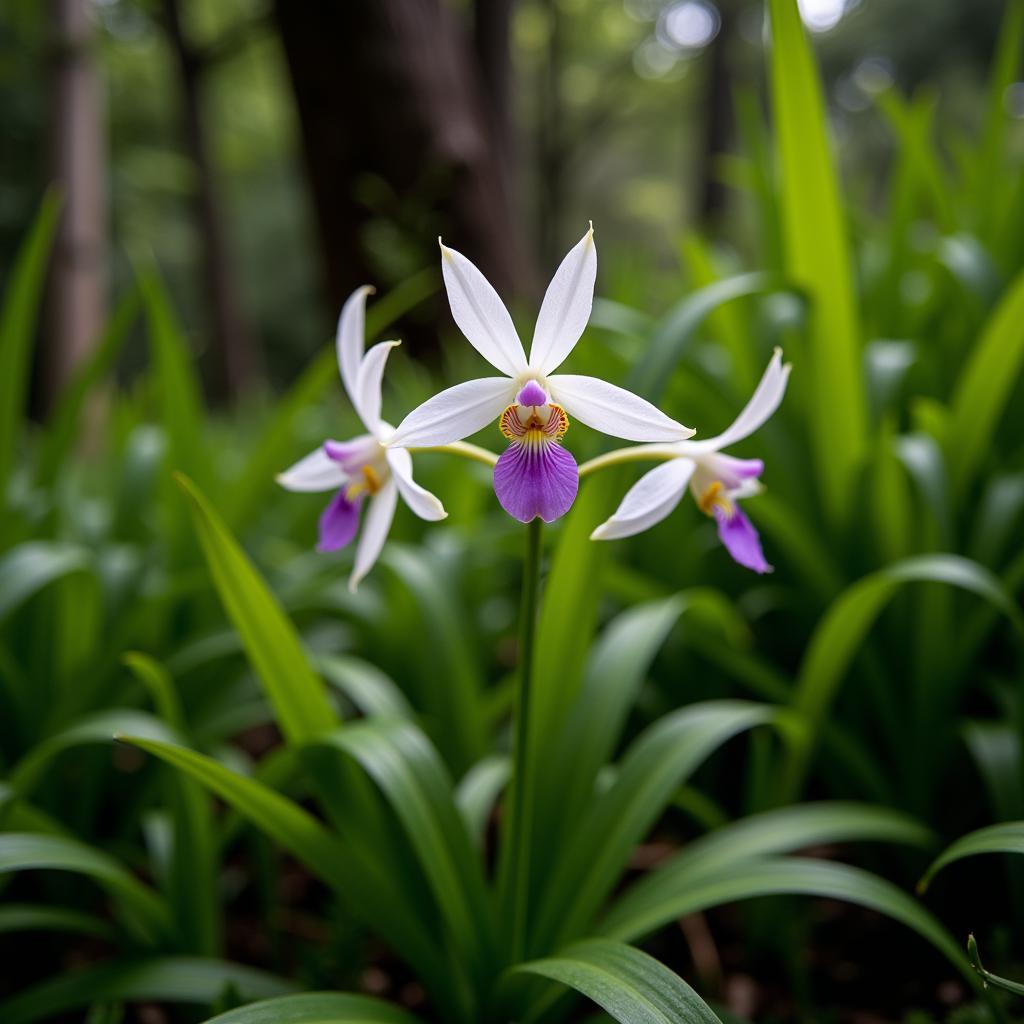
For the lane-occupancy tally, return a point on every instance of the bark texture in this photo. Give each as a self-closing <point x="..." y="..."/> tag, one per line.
<point x="389" y="89"/>
<point x="77" y="301"/>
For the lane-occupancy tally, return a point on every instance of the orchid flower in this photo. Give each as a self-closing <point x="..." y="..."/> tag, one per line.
<point x="717" y="482"/>
<point x="363" y="468"/>
<point x="535" y="476"/>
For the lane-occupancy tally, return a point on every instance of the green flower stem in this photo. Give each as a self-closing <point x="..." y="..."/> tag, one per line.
<point x="467" y="451"/>
<point x="641" y="453"/>
<point x="522" y="782"/>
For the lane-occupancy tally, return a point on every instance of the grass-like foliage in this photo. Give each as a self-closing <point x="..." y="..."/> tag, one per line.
<point x="157" y="587"/>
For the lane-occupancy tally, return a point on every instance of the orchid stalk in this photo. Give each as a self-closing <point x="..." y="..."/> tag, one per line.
<point x="718" y="482"/>
<point x="364" y="469"/>
<point x="535" y="476"/>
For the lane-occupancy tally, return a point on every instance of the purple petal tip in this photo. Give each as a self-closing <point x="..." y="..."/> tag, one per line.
<point x="741" y="540"/>
<point x="339" y="522"/>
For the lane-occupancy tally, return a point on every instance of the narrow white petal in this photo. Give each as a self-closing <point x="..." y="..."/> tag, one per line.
<point x="480" y="313"/>
<point x="566" y="307"/>
<point x="350" y="340"/>
<point x="419" y="499"/>
<point x="767" y="397"/>
<point x="313" y="472"/>
<point x="613" y="410"/>
<point x="368" y="384"/>
<point x="648" y="501"/>
<point x="378" y="520"/>
<point x="455" y="413"/>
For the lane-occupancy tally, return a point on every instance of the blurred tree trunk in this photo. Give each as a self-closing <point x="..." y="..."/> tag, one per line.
<point x="551" y="146"/>
<point x="712" y="193"/>
<point x="78" y="282"/>
<point x="233" y="358"/>
<point x="492" y="43"/>
<point x="388" y="88"/>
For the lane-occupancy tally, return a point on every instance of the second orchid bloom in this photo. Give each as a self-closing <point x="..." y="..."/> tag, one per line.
<point x="530" y="403"/>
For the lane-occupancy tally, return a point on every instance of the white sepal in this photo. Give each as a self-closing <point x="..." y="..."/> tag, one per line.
<point x="376" y="525"/>
<point x="613" y="410"/>
<point x="767" y="397"/>
<point x="480" y="314"/>
<point x="419" y="499"/>
<point x="648" y="501"/>
<point x="455" y="413"/>
<point x="368" y="385"/>
<point x="350" y="340"/>
<point x="566" y="307"/>
<point x="314" y="472"/>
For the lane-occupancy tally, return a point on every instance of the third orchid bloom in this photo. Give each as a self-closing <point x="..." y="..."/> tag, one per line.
<point x="530" y="403"/>
<point x="362" y="469"/>
<point x="718" y="482"/>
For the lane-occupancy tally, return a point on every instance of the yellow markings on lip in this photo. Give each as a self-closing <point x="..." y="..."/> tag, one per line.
<point x="370" y="484"/>
<point x="715" y="497"/>
<point x="536" y="428"/>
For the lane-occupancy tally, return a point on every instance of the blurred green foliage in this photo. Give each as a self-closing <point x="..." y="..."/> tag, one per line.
<point x="873" y="682"/>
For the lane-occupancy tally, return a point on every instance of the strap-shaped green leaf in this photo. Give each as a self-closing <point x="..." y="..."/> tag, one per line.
<point x="773" y="832"/>
<point x="655" y="765"/>
<point x="144" y="912"/>
<point x="816" y="258"/>
<point x="631" y="986"/>
<point x="372" y="692"/>
<point x="176" y="383"/>
<point x="34" y="565"/>
<point x="986" y="384"/>
<point x="847" y="622"/>
<point x="30" y="917"/>
<point x="359" y="880"/>
<point x="677" y="327"/>
<point x="408" y="770"/>
<point x="317" y="1008"/>
<point x="776" y="876"/>
<point x="271" y="641"/>
<point x="1006" y="837"/>
<point x="172" y="979"/>
<point x="17" y="330"/>
<point x="478" y="791"/>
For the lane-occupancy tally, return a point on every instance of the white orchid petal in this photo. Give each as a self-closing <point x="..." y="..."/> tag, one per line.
<point x="613" y="410"/>
<point x="368" y="384"/>
<point x="767" y="397"/>
<point x="379" y="516"/>
<point x="648" y="501"/>
<point x="313" y="473"/>
<point x="455" y="413"/>
<point x="419" y="499"/>
<point x="350" y="340"/>
<point x="480" y="314"/>
<point x="566" y="307"/>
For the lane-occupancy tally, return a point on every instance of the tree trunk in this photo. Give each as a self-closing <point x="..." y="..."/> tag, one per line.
<point x="233" y="362"/>
<point x="387" y="89"/>
<point x="77" y="291"/>
<point x="492" y="27"/>
<point x="712" y="194"/>
<point x="552" y="151"/>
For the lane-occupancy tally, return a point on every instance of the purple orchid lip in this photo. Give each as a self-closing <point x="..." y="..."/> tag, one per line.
<point x="532" y="395"/>
<point x="339" y="522"/>
<point x="535" y="475"/>
<point x="741" y="539"/>
<point x="536" y="478"/>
